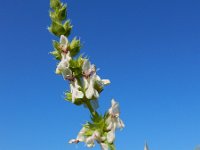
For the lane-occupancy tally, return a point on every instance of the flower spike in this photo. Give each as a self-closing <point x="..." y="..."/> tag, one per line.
<point x="84" y="82"/>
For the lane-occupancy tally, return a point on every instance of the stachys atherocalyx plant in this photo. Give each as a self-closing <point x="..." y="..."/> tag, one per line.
<point x="85" y="84"/>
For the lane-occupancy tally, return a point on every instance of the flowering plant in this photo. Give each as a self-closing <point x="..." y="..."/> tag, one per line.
<point x="85" y="84"/>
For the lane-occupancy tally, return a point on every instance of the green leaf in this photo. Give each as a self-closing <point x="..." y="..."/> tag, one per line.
<point x="55" y="4"/>
<point x="57" y="29"/>
<point x="74" y="47"/>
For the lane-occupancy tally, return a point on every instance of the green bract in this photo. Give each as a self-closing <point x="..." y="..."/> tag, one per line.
<point x="68" y="27"/>
<point x="57" y="52"/>
<point x="76" y="66"/>
<point x="74" y="47"/>
<point x="55" y="4"/>
<point x="58" y="29"/>
<point x="58" y="15"/>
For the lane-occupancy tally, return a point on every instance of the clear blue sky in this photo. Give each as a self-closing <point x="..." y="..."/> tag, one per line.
<point x="149" y="49"/>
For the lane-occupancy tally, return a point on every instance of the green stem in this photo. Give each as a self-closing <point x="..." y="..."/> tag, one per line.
<point x="92" y="111"/>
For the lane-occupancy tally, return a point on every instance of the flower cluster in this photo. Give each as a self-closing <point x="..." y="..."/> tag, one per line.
<point x="85" y="84"/>
<point x="102" y="130"/>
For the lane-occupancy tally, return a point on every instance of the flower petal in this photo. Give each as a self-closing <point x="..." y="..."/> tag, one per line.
<point x="73" y="141"/>
<point x="67" y="73"/>
<point x="111" y="136"/>
<point x="105" y="81"/>
<point x="63" y="41"/>
<point x="90" y="141"/>
<point x="104" y="146"/>
<point x="86" y="65"/>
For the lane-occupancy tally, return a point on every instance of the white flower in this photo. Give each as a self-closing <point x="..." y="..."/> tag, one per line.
<point x="114" y="110"/>
<point x="67" y="74"/>
<point x="102" y="82"/>
<point x="80" y="137"/>
<point x="111" y="136"/>
<point x="89" y="86"/>
<point x="63" y="43"/>
<point x="87" y="68"/>
<point x="90" y="79"/>
<point x="104" y="146"/>
<point x="64" y="63"/>
<point x="73" y="141"/>
<point x="91" y="139"/>
<point x="63" y="66"/>
<point x="76" y="93"/>
<point x="113" y="120"/>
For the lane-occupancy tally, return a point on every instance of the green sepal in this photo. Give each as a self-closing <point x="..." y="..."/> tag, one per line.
<point x="53" y="15"/>
<point x="55" y="4"/>
<point x="56" y="53"/>
<point x="76" y="66"/>
<point x="98" y="123"/>
<point x="88" y="132"/>
<point x="61" y="13"/>
<point x="74" y="47"/>
<point x="57" y="29"/>
<point x="68" y="27"/>
<point x="112" y="146"/>
<point x="77" y="63"/>
<point x="98" y="87"/>
<point x="68" y="97"/>
<point x="56" y="45"/>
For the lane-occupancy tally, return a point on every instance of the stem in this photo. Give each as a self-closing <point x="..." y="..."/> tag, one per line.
<point x="92" y="111"/>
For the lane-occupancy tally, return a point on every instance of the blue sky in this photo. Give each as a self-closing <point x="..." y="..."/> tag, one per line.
<point x="150" y="50"/>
